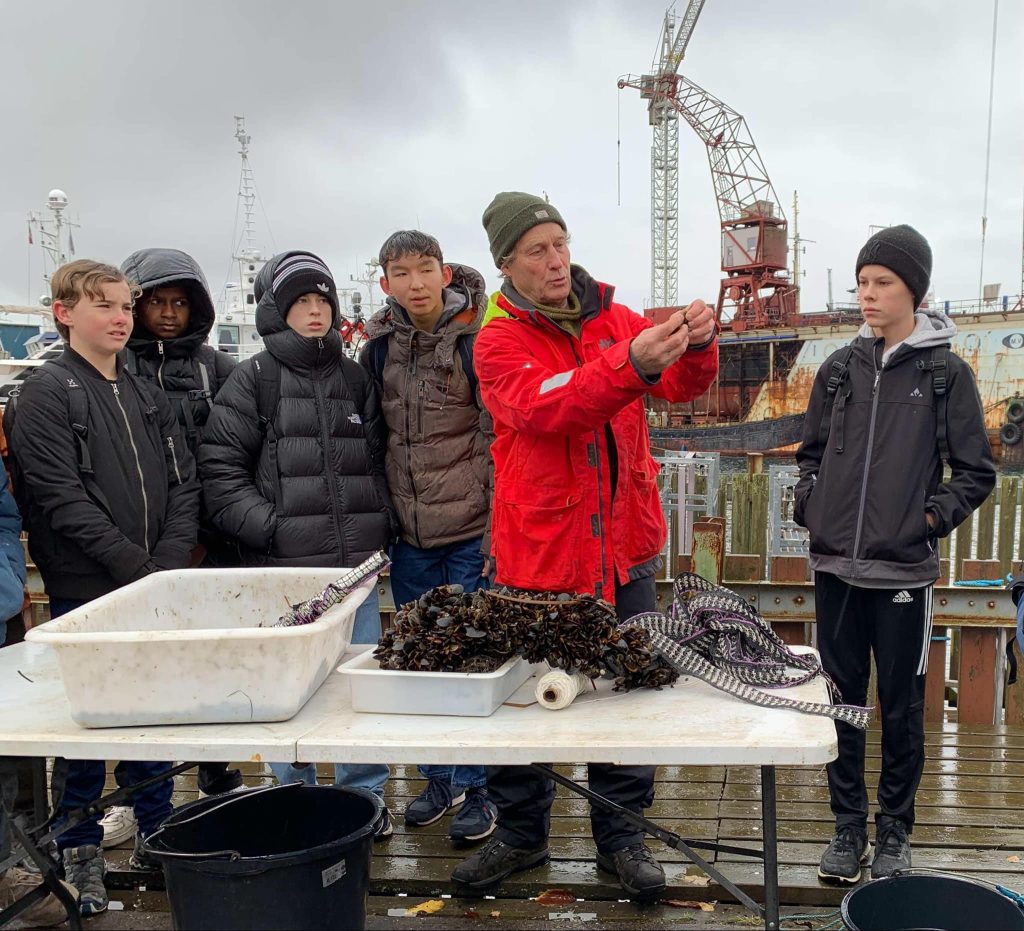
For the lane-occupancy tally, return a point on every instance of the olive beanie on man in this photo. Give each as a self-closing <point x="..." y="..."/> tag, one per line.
<point x="903" y="250"/>
<point x="510" y="215"/>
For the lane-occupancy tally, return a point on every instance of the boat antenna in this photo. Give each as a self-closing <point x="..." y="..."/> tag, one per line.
<point x="246" y="190"/>
<point x="988" y="149"/>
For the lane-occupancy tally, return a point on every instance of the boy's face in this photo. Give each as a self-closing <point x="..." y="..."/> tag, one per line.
<point x="310" y="315"/>
<point x="884" y="299"/>
<point x="165" y="311"/>
<point x="100" y="326"/>
<point x="415" y="282"/>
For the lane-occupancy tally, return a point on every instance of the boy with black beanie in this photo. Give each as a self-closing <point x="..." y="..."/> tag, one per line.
<point x="884" y="413"/>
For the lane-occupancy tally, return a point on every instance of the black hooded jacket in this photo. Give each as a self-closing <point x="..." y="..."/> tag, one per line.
<point x="135" y="511"/>
<point x="865" y="493"/>
<point x="177" y="366"/>
<point x="318" y="495"/>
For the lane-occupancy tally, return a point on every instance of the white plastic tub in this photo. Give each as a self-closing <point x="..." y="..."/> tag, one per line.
<point x="185" y="647"/>
<point x="466" y="694"/>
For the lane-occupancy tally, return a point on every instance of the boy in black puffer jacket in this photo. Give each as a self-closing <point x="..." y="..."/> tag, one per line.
<point x="292" y="457"/>
<point x="174" y="316"/>
<point x="884" y="413"/>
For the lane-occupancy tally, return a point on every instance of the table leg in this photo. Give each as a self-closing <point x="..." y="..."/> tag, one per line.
<point x="668" y="837"/>
<point x="771" y="849"/>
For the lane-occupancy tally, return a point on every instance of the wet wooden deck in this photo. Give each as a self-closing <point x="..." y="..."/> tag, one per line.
<point x="970" y="821"/>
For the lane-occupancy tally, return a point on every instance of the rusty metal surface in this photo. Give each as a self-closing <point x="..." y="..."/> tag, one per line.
<point x="791" y="601"/>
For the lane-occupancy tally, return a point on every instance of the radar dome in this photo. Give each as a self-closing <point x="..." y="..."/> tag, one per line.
<point x="57" y="198"/>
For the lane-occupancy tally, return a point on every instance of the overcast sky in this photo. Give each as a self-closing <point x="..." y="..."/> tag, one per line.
<point x="370" y="117"/>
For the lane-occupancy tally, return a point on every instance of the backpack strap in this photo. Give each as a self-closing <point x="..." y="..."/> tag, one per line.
<point x="940" y="358"/>
<point x="377" y="357"/>
<point x="465" y="344"/>
<point x="268" y="395"/>
<point x="836" y="376"/>
<point x="938" y="365"/>
<point x="78" y="409"/>
<point x="131" y="361"/>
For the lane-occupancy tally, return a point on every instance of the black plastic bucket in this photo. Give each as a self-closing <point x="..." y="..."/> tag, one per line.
<point x="927" y="901"/>
<point x="292" y="856"/>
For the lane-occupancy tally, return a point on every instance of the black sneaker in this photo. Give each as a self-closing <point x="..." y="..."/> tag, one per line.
<point x="892" y="851"/>
<point x="476" y="819"/>
<point x="383" y="828"/>
<point x="844" y="856"/>
<point x="496" y="861"/>
<point x="142" y="861"/>
<point x="639" y="873"/>
<point x="432" y="803"/>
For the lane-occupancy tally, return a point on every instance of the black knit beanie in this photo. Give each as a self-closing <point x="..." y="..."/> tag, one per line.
<point x="301" y="273"/>
<point x="510" y="215"/>
<point x="903" y="250"/>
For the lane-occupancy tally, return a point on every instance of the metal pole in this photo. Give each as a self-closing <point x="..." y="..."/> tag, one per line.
<point x="771" y="849"/>
<point x="830" y="290"/>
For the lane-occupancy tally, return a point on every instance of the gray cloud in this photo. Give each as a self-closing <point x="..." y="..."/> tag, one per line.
<point x="371" y="117"/>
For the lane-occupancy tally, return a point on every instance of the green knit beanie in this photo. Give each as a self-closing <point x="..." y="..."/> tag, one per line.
<point x="510" y="215"/>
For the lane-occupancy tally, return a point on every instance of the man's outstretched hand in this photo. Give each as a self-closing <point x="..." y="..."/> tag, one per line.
<point x="657" y="347"/>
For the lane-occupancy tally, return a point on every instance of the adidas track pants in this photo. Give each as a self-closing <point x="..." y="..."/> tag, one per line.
<point x="895" y="625"/>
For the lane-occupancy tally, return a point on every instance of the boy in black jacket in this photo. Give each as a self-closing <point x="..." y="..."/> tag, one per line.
<point x="884" y="413"/>
<point x="168" y="348"/>
<point x="108" y="492"/>
<point x="292" y="458"/>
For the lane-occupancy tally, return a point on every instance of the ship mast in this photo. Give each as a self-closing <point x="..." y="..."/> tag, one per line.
<point x="55" y="234"/>
<point x="246" y="194"/>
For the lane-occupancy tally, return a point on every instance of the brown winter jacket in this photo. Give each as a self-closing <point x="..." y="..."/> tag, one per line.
<point x="439" y="465"/>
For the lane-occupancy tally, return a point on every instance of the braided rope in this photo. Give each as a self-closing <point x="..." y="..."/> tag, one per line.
<point x="711" y="633"/>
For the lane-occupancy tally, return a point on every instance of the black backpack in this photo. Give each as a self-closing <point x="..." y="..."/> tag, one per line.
<point x="205" y="358"/>
<point x="78" y="409"/>
<point x="937" y="365"/>
<point x="377" y="357"/>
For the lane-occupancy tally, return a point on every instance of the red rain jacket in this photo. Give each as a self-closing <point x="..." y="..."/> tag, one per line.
<point x="568" y="414"/>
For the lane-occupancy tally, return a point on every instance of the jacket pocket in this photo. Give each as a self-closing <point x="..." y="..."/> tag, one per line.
<point x="538" y="545"/>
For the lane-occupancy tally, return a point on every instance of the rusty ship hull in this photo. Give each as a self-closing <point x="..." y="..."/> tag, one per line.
<point x="757" y="402"/>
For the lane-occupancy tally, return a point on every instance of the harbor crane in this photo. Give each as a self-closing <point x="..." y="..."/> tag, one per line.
<point x="755" y="290"/>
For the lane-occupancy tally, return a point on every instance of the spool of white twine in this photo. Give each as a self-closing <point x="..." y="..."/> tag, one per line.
<point x="557" y="689"/>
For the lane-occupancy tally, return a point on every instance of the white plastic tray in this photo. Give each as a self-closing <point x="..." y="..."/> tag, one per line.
<point x="468" y="694"/>
<point x="185" y="647"/>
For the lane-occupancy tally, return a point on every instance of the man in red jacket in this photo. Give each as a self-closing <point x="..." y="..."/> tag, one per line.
<point x="563" y="370"/>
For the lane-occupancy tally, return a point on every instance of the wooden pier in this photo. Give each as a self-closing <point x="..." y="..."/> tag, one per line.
<point x="968" y="821"/>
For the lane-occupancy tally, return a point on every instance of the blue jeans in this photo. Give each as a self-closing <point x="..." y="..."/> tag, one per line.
<point x="415" y="570"/>
<point x="83" y="782"/>
<point x="372" y="776"/>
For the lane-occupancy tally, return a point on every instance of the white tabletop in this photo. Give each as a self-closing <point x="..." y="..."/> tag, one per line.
<point x="35" y="720"/>
<point x="691" y="723"/>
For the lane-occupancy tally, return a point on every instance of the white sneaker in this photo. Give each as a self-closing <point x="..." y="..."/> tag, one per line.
<point x="118" y="825"/>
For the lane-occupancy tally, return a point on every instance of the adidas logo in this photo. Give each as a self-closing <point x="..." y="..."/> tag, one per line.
<point x="916" y="393"/>
<point x="323" y="287"/>
<point x="902" y="598"/>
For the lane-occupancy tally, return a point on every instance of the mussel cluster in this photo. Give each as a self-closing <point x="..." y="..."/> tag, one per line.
<point x="448" y="630"/>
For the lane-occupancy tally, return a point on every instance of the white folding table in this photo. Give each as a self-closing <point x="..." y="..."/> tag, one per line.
<point x="691" y="724"/>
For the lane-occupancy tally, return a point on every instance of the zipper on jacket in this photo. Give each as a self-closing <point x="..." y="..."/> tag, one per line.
<point x="174" y="458"/>
<point x="411" y="372"/>
<point x="867" y="456"/>
<point x="600" y="474"/>
<point x="160" y="368"/>
<point x="138" y="463"/>
<point x="332" y="488"/>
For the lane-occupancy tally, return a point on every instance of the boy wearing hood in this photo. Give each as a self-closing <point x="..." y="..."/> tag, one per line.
<point x="884" y="413"/>
<point x="300" y="481"/>
<point x="439" y="468"/>
<point x="168" y="348"/>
